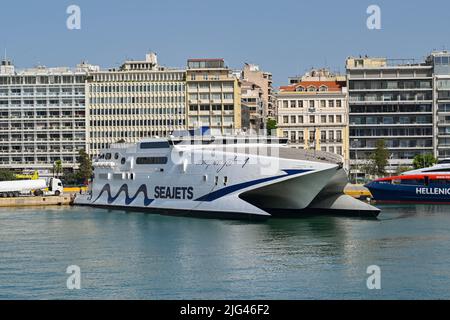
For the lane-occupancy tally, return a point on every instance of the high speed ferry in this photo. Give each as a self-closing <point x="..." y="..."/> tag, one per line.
<point x="216" y="176"/>
<point x="412" y="188"/>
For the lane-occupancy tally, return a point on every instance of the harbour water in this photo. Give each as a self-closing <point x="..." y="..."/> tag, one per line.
<point x="146" y="256"/>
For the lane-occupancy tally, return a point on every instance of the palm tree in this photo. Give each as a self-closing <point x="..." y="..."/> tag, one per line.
<point x="57" y="168"/>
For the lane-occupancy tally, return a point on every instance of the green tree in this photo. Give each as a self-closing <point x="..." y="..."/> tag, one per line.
<point x="379" y="159"/>
<point x="401" y="169"/>
<point x="85" y="166"/>
<point x="271" y="125"/>
<point x="424" y="161"/>
<point x="7" y="175"/>
<point x="57" y="168"/>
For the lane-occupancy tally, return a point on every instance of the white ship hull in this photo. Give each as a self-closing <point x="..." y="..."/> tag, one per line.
<point x="208" y="181"/>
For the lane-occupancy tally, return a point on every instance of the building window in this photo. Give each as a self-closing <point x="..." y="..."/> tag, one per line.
<point x="323" y="119"/>
<point x="311" y="103"/>
<point x="293" y="119"/>
<point x="300" y="103"/>
<point x="338" y="103"/>
<point x="338" y="119"/>
<point x="331" y="136"/>
<point x="323" y="88"/>
<point x="323" y="103"/>
<point x="285" y="104"/>
<point x="300" y="119"/>
<point x="285" y="119"/>
<point x="331" y="119"/>
<point x="293" y="103"/>
<point x="293" y="137"/>
<point x="331" y="103"/>
<point x="312" y="119"/>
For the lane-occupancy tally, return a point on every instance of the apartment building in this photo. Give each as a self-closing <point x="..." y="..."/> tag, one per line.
<point x="441" y="85"/>
<point x="214" y="96"/>
<point x="251" y="106"/>
<point x="251" y="73"/>
<point x="42" y="116"/>
<point x="313" y="112"/>
<point x="140" y="99"/>
<point x="390" y="100"/>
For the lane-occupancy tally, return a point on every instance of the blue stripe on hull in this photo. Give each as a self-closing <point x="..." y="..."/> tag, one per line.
<point x="227" y="190"/>
<point x="208" y="197"/>
<point x="411" y="193"/>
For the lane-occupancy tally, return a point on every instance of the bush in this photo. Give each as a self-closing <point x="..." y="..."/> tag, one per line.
<point x="7" y="175"/>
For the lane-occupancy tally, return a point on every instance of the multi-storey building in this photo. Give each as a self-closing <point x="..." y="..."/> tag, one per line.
<point x="262" y="79"/>
<point x="140" y="99"/>
<point x="441" y="64"/>
<point x="390" y="100"/>
<point x="251" y="106"/>
<point x="214" y="96"/>
<point x="42" y="116"/>
<point x="313" y="113"/>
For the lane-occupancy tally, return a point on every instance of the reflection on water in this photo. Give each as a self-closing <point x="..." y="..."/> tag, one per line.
<point x="144" y="256"/>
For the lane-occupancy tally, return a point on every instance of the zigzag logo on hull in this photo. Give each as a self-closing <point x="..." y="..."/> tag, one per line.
<point x="128" y="199"/>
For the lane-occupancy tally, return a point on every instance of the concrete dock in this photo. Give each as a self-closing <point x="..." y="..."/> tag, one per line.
<point x="36" y="201"/>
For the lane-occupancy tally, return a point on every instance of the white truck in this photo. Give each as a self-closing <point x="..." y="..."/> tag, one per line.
<point x="38" y="187"/>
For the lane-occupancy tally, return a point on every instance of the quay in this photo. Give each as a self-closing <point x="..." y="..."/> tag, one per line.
<point x="37" y="201"/>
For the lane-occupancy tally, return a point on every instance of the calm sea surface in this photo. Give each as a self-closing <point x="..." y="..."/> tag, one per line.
<point x="146" y="256"/>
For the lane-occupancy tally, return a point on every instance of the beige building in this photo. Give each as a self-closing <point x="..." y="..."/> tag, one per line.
<point x="213" y="96"/>
<point x="313" y="113"/>
<point x="140" y="99"/>
<point x="251" y="73"/>
<point x="251" y="106"/>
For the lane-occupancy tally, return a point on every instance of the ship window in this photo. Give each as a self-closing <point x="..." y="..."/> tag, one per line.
<point x="151" y="160"/>
<point x="225" y="181"/>
<point x="413" y="182"/>
<point x="438" y="170"/>
<point x="439" y="181"/>
<point x="154" y="145"/>
<point x="116" y="156"/>
<point x="108" y="156"/>
<point x="122" y="161"/>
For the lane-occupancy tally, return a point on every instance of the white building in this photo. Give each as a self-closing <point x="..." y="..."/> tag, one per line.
<point x="42" y="116"/>
<point x="140" y="99"/>
<point x="313" y="113"/>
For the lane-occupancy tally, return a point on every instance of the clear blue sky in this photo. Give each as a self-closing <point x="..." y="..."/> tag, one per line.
<point x="286" y="37"/>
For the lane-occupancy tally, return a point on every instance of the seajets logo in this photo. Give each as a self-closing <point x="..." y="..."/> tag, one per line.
<point x="174" y="193"/>
<point x="433" y="191"/>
